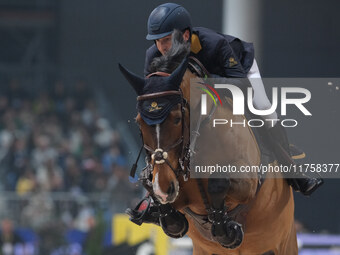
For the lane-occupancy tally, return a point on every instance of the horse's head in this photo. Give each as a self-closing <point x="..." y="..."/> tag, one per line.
<point x="163" y="120"/>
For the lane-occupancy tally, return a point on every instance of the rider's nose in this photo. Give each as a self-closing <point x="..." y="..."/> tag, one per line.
<point x="165" y="48"/>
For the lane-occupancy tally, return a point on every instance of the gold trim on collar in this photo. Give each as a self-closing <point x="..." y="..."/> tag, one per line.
<point x="195" y="44"/>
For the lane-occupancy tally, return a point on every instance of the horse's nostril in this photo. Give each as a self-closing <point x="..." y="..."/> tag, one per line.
<point x="171" y="189"/>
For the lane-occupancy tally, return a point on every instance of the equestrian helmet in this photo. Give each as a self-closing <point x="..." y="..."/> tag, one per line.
<point x="165" y="18"/>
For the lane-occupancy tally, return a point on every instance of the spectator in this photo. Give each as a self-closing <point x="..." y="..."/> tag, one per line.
<point x="73" y="177"/>
<point x="59" y="142"/>
<point x="104" y="135"/>
<point x="39" y="211"/>
<point x="120" y="189"/>
<point x="90" y="113"/>
<point x="49" y="176"/>
<point x="43" y="151"/>
<point x="26" y="183"/>
<point x="113" y="156"/>
<point x="8" y="238"/>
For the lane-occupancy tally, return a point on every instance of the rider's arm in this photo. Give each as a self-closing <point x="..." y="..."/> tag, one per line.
<point x="228" y="61"/>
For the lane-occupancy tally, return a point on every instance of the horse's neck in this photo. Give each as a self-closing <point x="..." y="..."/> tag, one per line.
<point x="245" y="153"/>
<point x="185" y="85"/>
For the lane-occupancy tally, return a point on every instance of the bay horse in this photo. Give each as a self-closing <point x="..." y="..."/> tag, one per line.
<point x="267" y="206"/>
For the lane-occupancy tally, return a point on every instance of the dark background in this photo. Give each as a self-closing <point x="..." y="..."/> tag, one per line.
<point x="83" y="39"/>
<point x="301" y="39"/>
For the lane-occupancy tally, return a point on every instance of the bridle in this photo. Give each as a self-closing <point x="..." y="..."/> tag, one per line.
<point x="160" y="155"/>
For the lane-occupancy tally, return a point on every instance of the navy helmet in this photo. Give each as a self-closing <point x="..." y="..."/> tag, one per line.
<point x="165" y="18"/>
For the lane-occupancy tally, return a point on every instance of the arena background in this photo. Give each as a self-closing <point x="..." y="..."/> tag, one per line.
<point x="78" y="44"/>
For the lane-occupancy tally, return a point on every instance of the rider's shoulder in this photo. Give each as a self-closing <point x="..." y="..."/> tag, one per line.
<point x="207" y="34"/>
<point x="210" y="38"/>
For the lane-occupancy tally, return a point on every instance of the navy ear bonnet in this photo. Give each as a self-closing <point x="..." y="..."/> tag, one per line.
<point x="156" y="110"/>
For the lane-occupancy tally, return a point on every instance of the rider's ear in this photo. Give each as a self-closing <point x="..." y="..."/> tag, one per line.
<point x="176" y="77"/>
<point x="186" y="35"/>
<point x="136" y="81"/>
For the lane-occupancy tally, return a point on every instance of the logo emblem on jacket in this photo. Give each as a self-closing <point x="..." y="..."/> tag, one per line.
<point x="232" y="62"/>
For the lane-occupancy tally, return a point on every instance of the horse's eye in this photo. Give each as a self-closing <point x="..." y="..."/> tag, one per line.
<point x="177" y="120"/>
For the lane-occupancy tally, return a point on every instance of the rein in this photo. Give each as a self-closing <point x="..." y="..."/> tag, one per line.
<point x="163" y="74"/>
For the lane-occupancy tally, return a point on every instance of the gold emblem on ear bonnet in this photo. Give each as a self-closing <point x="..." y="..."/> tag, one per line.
<point x="154" y="107"/>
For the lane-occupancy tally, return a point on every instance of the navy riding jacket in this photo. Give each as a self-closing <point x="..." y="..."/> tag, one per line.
<point x="224" y="55"/>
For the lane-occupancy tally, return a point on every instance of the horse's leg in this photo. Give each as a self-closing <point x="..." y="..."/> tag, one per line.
<point x="202" y="245"/>
<point x="197" y="250"/>
<point x="290" y="245"/>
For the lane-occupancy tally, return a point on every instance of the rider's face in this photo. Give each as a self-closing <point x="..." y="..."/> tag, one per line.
<point x="164" y="44"/>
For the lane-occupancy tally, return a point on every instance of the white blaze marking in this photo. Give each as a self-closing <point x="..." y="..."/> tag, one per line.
<point x="158" y="128"/>
<point x="158" y="191"/>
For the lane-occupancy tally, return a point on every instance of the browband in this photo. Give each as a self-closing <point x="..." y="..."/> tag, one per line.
<point x="158" y="94"/>
<point x="163" y="74"/>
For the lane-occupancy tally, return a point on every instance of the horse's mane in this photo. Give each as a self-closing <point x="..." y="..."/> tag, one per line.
<point x="178" y="51"/>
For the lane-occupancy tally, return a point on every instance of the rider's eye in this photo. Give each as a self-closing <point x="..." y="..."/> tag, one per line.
<point x="177" y="120"/>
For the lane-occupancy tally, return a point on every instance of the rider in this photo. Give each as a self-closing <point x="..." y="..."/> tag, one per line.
<point x="223" y="56"/>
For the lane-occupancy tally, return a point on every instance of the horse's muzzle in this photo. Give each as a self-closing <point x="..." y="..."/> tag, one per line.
<point x="165" y="197"/>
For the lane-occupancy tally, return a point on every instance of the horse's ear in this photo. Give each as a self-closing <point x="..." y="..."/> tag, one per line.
<point x="136" y="82"/>
<point x="176" y="77"/>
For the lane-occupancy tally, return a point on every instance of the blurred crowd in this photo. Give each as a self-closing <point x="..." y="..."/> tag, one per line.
<point x="56" y="141"/>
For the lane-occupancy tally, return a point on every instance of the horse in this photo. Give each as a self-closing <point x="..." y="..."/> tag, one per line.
<point x="262" y="208"/>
